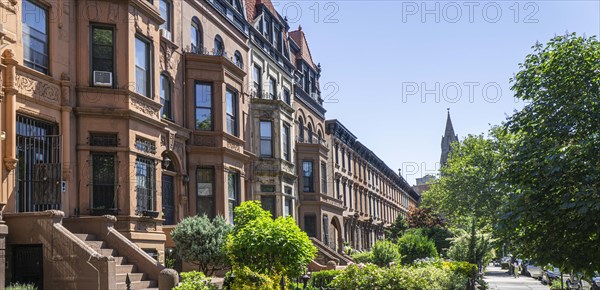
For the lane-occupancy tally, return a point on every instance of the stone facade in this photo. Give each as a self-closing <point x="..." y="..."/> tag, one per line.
<point x="151" y="111"/>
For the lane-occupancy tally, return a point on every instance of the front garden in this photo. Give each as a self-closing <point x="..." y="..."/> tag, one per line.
<point x="260" y="252"/>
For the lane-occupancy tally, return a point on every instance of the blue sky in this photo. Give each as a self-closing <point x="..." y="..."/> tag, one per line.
<point x="390" y="68"/>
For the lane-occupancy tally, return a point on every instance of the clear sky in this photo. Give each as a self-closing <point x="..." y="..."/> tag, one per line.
<point x="391" y="68"/>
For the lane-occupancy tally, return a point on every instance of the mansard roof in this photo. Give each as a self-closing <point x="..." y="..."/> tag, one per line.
<point x="299" y="38"/>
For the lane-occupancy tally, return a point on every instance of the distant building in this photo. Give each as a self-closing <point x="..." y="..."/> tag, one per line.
<point x="423" y="183"/>
<point x="447" y="140"/>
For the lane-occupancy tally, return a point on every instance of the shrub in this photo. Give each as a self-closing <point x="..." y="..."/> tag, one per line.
<point x="18" y="286"/>
<point x="397" y="229"/>
<point x="385" y="252"/>
<point x="415" y="246"/>
<point x="362" y="257"/>
<point x="246" y="279"/>
<point x="424" y="277"/>
<point x="323" y="279"/>
<point x="194" y="281"/>
<point x="201" y="241"/>
<point x="555" y="285"/>
<point x="268" y="246"/>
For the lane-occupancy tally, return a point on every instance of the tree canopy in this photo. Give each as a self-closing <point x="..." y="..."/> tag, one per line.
<point x="554" y="162"/>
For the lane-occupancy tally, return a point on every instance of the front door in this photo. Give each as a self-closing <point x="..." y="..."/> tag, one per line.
<point x="168" y="199"/>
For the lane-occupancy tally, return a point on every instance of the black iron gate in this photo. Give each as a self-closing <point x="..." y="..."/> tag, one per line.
<point x="39" y="169"/>
<point x="28" y="261"/>
<point x="168" y="199"/>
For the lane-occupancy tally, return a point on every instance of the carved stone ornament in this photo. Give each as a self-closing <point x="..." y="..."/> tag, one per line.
<point x="171" y="141"/>
<point x="37" y="89"/>
<point x="10" y="163"/>
<point x="204" y="141"/>
<point x="143" y="107"/>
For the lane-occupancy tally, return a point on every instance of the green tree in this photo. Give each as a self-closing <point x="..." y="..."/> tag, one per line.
<point x="397" y="229"/>
<point x="554" y="162"/>
<point x="201" y="241"/>
<point x="268" y="246"/>
<point x="469" y="193"/>
<point x="460" y="251"/>
<point x="414" y="246"/>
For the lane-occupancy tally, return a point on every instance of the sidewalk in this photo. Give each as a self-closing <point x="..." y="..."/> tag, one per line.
<point x="498" y="279"/>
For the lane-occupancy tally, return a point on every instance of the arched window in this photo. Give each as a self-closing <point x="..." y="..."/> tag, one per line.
<point x="196" y="36"/>
<point x="320" y="136"/>
<point x="219" y="48"/>
<point x="300" y="129"/>
<point x="310" y="133"/>
<point x="165" y="97"/>
<point x="237" y="58"/>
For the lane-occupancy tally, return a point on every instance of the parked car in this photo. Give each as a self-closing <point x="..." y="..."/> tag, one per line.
<point x="532" y="270"/>
<point x="574" y="281"/>
<point x="595" y="281"/>
<point x="504" y="262"/>
<point x="550" y="274"/>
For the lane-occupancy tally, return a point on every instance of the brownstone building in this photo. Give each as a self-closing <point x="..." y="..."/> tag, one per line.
<point x="120" y="118"/>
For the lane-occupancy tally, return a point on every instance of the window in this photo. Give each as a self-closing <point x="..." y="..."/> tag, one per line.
<point x="310" y="225"/>
<point x="196" y="36"/>
<point x="337" y="190"/>
<point x="145" y="174"/>
<point x="307" y="174"/>
<point x="349" y="162"/>
<point x="237" y="58"/>
<point x="203" y="92"/>
<point x="286" y="96"/>
<point x="205" y="191"/>
<point x="272" y="88"/>
<point x="232" y="112"/>
<point x="324" y="177"/>
<point x="326" y="230"/>
<point x="285" y="136"/>
<point x="219" y="46"/>
<point x="143" y="73"/>
<point x="337" y="160"/>
<point x="288" y="208"/>
<point x="343" y="158"/>
<point x="267" y="188"/>
<point x="320" y="137"/>
<point x="35" y="36"/>
<point x="145" y="145"/>
<point x="288" y="191"/>
<point x="266" y="148"/>
<point x="165" y="97"/>
<point x="103" y="139"/>
<point x="233" y="193"/>
<point x="103" y="181"/>
<point x="102" y="49"/>
<point x="310" y="133"/>
<point x="165" y="8"/>
<point x="300" y="130"/>
<point x="268" y="204"/>
<point x="257" y="76"/>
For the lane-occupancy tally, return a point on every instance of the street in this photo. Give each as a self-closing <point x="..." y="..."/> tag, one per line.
<point x="498" y="279"/>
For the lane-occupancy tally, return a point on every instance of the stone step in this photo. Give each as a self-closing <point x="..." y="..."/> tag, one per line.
<point x="138" y="285"/>
<point x="96" y="245"/>
<point x="86" y="237"/>
<point x="133" y="277"/>
<point x="120" y="260"/>
<point x="123" y="269"/>
<point x="108" y="252"/>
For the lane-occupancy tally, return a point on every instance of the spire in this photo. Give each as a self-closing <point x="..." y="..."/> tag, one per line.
<point x="448" y="138"/>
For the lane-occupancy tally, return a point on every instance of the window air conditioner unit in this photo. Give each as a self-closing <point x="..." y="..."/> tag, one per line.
<point x="103" y="78"/>
<point x="165" y="33"/>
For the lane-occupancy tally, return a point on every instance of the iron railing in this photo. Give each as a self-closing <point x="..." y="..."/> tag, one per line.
<point x="39" y="173"/>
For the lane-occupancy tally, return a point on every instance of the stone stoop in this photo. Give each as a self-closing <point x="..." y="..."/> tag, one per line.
<point x="138" y="280"/>
<point x="326" y="254"/>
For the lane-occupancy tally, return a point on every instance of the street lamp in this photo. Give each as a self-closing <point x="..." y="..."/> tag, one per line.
<point x="166" y="162"/>
<point x="305" y="279"/>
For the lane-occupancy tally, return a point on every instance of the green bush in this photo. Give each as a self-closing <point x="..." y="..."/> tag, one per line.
<point x="423" y="277"/>
<point x="555" y="285"/>
<point x="416" y="246"/>
<point x="246" y="279"/>
<point x="201" y="241"/>
<point x="362" y="257"/>
<point x="385" y="252"/>
<point x="323" y="279"/>
<point x="18" y="286"/>
<point x="268" y="246"/>
<point x="195" y="281"/>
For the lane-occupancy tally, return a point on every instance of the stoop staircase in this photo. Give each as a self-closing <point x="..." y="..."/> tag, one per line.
<point x="138" y="280"/>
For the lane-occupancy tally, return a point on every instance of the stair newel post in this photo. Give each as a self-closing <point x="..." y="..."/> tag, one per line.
<point x="128" y="282"/>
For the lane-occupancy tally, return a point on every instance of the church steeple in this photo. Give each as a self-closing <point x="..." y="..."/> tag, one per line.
<point x="448" y="138"/>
